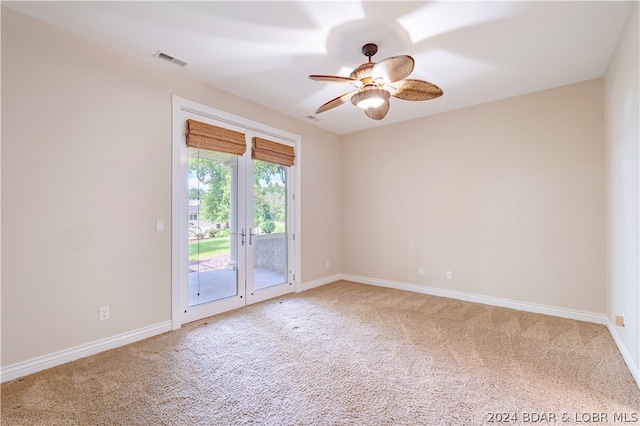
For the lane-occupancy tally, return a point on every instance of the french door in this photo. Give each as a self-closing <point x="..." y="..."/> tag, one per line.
<point x="236" y="224"/>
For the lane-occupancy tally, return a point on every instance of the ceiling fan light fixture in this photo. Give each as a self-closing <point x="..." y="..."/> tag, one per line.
<point x="370" y="97"/>
<point x="376" y="82"/>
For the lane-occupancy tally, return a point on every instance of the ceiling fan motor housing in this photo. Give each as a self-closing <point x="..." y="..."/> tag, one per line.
<point x="363" y="71"/>
<point x="369" y="50"/>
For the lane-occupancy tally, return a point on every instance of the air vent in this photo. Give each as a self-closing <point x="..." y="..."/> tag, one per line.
<point x="313" y="118"/>
<point x="169" y="58"/>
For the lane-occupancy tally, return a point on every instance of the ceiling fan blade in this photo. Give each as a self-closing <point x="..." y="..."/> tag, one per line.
<point x="336" y="79"/>
<point x="414" y="90"/>
<point x="378" y="113"/>
<point x="393" y="69"/>
<point x="336" y="102"/>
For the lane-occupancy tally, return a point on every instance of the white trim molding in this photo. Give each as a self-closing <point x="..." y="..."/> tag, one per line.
<point x="486" y="300"/>
<point x="34" y="365"/>
<point x="319" y="282"/>
<point x="624" y="351"/>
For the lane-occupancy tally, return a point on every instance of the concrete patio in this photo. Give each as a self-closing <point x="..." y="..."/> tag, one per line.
<point x="215" y="284"/>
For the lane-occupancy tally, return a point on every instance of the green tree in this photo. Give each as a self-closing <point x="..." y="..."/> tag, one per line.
<point x="269" y="194"/>
<point x="269" y="172"/>
<point x="195" y="193"/>
<point x="214" y="191"/>
<point x="215" y="196"/>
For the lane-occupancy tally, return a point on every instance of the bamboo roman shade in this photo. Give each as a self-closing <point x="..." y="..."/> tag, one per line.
<point x="214" y="138"/>
<point x="272" y="152"/>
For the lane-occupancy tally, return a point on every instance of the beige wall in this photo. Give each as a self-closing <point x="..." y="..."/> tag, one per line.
<point x="622" y="163"/>
<point x="86" y="171"/>
<point x="507" y="195"/>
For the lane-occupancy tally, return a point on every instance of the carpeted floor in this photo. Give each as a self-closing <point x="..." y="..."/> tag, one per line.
<point x="343" y="354"/>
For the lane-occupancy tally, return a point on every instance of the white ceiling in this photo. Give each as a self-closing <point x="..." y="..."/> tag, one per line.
<point x="264" y="51"/>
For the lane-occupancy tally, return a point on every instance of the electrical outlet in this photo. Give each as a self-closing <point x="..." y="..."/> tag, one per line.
<point x="328" y="264"/>
<point x="104" y="313"/>
<point x="449" y="275"/>
<point x="421" y="271"/>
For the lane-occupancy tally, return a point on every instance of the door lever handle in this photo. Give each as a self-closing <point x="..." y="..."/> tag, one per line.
<point x="243" y="235"/>
<point x="251" y="234"/>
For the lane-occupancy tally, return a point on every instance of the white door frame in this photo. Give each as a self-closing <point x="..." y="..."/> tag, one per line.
<point x="179" y="192"/>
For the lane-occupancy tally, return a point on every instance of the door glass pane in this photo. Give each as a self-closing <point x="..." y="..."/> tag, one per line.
<point x="213" y="250"/>
<point x="270" y="221"/>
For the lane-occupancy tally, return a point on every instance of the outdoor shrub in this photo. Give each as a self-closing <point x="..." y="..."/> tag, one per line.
<point x="268" y="226"/>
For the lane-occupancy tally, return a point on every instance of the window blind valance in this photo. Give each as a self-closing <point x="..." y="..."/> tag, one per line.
<point x="213" y="138"/>
<point x="273" y="152"/>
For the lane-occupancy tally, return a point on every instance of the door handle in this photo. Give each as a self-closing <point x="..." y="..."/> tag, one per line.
<point x="251" y="234"/>
<point x="243" y="235"/>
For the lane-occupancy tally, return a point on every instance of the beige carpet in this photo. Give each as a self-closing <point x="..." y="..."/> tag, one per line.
<point x="342" y="354"/>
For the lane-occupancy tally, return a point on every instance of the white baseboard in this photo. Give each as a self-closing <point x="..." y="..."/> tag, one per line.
<point x="486" y="300"/>
<point x="34" y="365"/>
<point x="624" y="351"/>
<point x="319" y="282"/>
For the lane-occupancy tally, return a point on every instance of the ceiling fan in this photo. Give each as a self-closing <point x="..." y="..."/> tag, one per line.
<point x="377" y="82"/>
